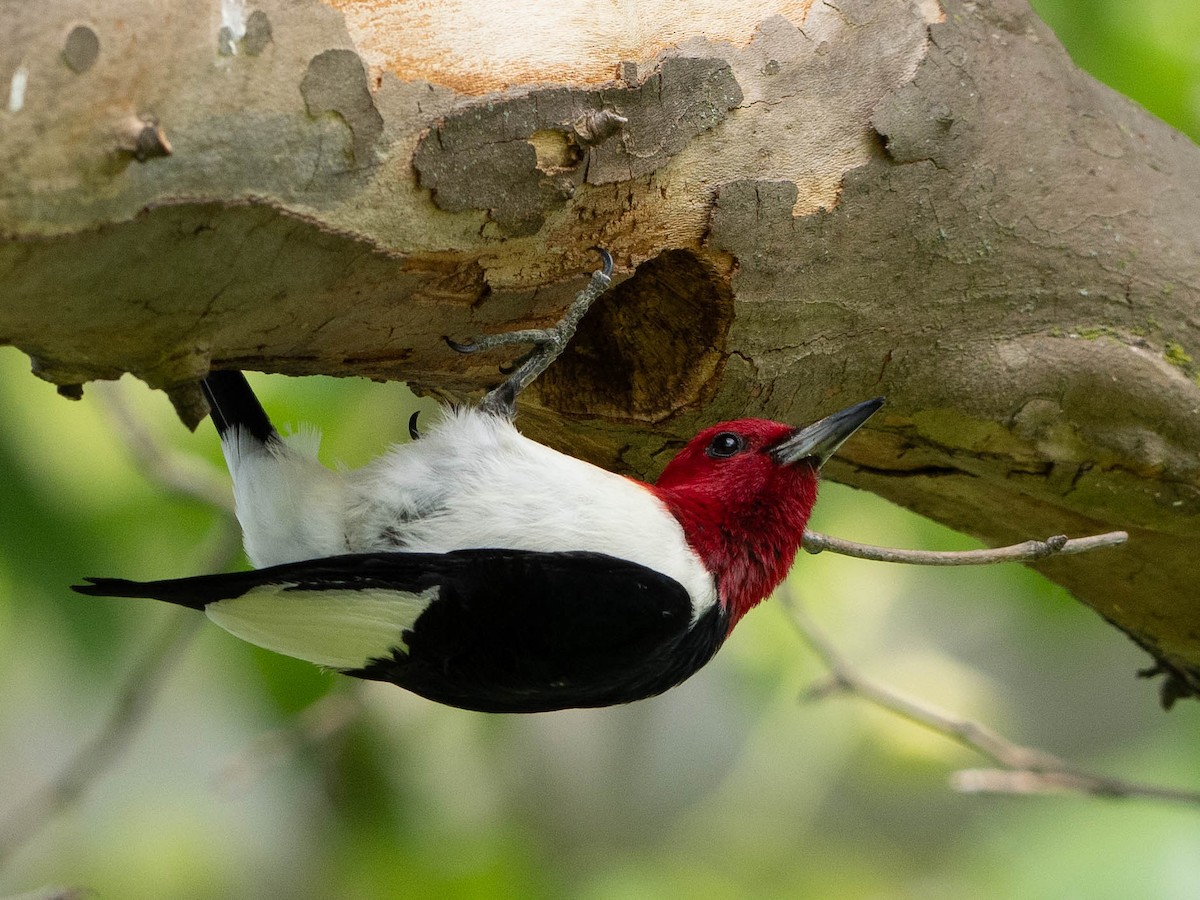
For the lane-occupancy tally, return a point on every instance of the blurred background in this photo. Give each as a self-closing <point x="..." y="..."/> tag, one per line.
<point x="247" y="774"/>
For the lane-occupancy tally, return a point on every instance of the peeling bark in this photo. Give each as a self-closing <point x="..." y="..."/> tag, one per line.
<point x="811" y="203"/>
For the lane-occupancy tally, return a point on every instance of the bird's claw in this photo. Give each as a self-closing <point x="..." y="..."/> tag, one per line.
<point x="469" y="347"/>
<point x="606" y="261"/>
<point x="548" y="343"/>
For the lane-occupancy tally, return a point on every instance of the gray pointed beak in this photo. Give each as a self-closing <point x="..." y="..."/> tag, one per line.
<point x="820" y="440"/>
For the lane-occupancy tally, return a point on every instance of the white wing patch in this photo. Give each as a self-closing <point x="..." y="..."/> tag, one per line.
<point x="339" y="629"/>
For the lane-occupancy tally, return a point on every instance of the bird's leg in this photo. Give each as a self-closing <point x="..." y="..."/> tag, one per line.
<point x="548" y="343"/>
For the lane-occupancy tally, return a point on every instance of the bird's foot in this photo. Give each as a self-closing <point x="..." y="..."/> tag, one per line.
<point x="548" y="343"/>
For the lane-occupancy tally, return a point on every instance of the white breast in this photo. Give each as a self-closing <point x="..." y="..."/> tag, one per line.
<point x="473" y="481"/>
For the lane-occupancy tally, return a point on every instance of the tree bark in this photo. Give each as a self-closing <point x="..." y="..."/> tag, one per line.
<point x="810" y="203"/>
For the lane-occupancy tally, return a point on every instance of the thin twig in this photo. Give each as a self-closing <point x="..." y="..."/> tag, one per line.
<point x="1024" y="770"/>
<point x="144" y="682"/>
<point x="97" y="756"/>
<point x="1031" y="781"/>
<point x="1026" y="551"/>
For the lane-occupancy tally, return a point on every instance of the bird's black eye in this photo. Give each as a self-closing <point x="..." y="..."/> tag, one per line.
<point x="725" y="444"/>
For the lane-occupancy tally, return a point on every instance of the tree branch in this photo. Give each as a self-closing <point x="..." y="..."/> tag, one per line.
<point x="95" y="758"/>
<point x="145" y="680"/>
<point x="1026" y="551"/>
<point x="1060" y="402"/>
<point x="1024" y="770"/>
<point x="1032" y="781"/>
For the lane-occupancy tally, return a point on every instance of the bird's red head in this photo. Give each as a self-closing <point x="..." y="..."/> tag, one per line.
<point x="743" y="492"/>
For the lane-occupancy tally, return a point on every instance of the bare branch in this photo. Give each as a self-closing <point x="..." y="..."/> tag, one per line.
<point x="1024" y="770"/>
<point x="144" y="682"/>
<point x="1026" y="551"/>
<point x="1029" y="781"/>
<point x="97" y="756"/>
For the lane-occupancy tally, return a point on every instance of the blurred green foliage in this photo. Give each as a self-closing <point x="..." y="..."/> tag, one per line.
<point x="259" y="776"/>
<point x="1149" y="50"/>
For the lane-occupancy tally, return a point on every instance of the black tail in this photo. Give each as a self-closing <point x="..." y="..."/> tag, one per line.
<point x="156" y="590"/>
<point x="195" y="592"/>
<point x="233" y="403"/>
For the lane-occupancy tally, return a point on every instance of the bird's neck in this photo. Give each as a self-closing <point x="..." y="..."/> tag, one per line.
<point x="749" y="548"/>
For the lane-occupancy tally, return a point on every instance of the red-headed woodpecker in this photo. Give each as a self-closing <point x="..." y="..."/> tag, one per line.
<point x="484" y="570"/>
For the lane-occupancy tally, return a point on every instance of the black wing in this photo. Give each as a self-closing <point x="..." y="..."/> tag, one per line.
<point x="505" y="630"/>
